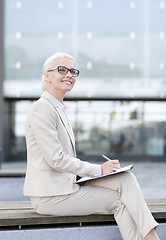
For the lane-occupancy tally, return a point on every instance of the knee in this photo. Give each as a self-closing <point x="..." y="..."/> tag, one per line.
<point x="128" y="178"/>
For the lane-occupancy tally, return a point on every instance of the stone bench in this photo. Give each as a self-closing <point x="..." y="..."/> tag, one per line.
<point x="21" y="214"/>
<point x="19" y="221"/>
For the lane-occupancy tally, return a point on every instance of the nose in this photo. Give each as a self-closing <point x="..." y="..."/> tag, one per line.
<point x="69" y="74"/>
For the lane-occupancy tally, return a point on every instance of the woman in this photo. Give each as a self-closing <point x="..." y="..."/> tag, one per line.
<point x="52" y="165"/>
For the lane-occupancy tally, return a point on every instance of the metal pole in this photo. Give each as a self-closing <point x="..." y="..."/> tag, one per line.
<point x="1" y="76"/>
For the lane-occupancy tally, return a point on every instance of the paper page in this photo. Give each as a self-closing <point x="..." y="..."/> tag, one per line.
<point x="123" y="169"/>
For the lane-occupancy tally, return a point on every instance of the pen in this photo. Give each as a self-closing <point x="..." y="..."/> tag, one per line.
<point x="106" y="158"/>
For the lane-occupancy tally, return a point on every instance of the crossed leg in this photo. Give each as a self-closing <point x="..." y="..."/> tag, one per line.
<point x="120" y="195"/>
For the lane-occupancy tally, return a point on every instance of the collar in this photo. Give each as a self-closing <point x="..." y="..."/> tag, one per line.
<point x="62" y="105"/>
<point x="60" y="108"/>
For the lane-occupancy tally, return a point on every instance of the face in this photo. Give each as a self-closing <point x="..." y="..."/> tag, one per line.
<point x="58" y="84"/>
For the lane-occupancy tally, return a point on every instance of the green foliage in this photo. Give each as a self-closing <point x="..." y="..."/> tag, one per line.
<point x="134" y="115"/>
<point x="96" y="132"/>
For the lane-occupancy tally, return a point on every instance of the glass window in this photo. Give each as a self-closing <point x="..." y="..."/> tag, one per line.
<point x="155" y="127"/>
<point x="119" y="127"/>
<point x="118" y="45"/>
<point x="119" y="49"/>
<point x="100" y="127"/>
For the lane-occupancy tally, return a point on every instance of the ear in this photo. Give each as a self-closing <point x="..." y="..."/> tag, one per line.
<point x="46" y="76"/>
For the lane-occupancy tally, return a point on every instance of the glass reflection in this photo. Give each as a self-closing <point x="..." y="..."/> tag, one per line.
<point x="101" y="127"/>
<point x="123" y="57"/>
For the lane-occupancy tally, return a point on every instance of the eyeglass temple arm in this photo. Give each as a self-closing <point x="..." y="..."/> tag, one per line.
<point x="52" y="69"/>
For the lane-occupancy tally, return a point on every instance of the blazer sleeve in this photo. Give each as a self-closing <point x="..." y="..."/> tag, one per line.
<point x="43" y="126"/>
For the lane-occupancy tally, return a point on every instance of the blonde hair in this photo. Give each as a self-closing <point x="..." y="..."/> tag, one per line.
<point x="49" y="63"/>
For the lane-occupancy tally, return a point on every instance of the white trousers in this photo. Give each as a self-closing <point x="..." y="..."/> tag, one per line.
<point x="119" y="194"/>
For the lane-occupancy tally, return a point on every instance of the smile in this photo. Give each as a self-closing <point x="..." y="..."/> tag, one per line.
<point x="67" y="81"/>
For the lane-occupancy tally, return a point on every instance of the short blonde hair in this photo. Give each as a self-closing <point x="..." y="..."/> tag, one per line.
<point x="49" y="63"/>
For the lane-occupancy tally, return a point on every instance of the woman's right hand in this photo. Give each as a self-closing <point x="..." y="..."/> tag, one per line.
<point x="110" y="166"/>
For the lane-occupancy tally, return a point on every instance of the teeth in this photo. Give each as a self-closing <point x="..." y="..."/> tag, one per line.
<point x="68" y="82"/>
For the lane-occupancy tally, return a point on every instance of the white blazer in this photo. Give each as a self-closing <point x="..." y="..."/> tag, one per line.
<point x="52" y="164"/>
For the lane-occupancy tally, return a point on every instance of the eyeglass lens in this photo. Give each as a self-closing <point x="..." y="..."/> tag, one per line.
<point x="64" y="71"/>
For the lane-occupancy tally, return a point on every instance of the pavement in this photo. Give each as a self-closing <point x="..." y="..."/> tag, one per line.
<point x="150" y="175"/>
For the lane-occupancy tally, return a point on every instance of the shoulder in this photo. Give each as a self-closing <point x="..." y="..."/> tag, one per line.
<point x="43" y="104"/>
<point x="42" y="108"/>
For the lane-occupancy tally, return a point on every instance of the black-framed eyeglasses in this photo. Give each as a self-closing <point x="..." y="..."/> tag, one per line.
<point x="64" y="70"/>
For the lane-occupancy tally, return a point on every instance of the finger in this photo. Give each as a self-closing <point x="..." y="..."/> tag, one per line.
<point x="117" y="165"/>
<point x="115" y="161"/>
<point x="115" y="168"/>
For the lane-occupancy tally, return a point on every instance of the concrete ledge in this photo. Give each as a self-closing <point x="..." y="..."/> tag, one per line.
<point x="81" y="233"/>
<point x="19" y="221"/>
<point x="89" y="233"/>
<point x="18" y="214"/>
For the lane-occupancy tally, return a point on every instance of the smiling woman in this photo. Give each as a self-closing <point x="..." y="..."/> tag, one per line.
<point x="52" y="164"/>
<point x="61" y="80"/>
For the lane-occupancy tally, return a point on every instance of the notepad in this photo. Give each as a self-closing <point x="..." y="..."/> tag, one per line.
<point x="120" y="170"/>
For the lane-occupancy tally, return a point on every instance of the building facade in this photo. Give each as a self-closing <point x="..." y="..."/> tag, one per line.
<point x="118" y="105"/>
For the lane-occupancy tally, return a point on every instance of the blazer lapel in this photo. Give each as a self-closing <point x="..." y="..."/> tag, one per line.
<point x="62" y="116"/>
